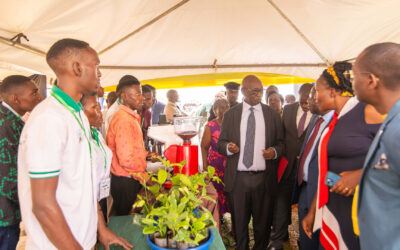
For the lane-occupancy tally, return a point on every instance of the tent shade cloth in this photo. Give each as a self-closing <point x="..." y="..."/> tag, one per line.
<point x="217" y="79"/>
<point x="162" y="38"/>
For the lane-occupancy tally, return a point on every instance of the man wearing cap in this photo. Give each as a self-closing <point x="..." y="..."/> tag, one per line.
<point x="232" y="94"/>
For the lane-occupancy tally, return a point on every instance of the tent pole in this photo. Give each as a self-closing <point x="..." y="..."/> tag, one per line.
<point x="22" y="46"/>
<point x="214" y="66"/>
<point x="144" y="26"/>
<point x="300" y="33"/>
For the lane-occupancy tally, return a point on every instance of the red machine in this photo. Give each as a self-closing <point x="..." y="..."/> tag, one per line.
<point x="186" y="128"/>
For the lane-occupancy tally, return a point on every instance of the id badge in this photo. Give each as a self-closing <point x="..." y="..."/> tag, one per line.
<point x="105" y="188"/>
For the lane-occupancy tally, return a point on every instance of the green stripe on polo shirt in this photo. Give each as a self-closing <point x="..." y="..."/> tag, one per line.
<point x="42" y="175"/>
<point x="67" y="99"/>
<point x="50" y="172"/>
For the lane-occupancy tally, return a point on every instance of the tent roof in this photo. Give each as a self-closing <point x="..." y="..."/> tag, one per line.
<point x="182" y="37"/>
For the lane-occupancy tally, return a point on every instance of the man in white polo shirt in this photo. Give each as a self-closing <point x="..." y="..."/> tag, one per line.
<point x="57" y="188"/>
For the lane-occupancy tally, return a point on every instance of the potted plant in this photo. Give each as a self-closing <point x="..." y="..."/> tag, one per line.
<point x="176" y="215"/>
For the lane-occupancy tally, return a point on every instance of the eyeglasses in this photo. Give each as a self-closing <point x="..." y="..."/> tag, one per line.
<point x="254" y="91"/>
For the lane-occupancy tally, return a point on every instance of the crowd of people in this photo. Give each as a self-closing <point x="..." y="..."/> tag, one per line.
<point x="334" y="153"/>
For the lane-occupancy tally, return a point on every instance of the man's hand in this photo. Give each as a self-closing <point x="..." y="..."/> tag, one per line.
<point x="269" y="153"/>
<point x="233" y="148"/>
<point x="308" y="223"/>
<point x="347" y="183"/>
<point x="107" y="237"/>
<point x="153" y="157"/>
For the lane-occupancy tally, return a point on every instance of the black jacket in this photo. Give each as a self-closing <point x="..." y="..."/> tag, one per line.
<point x="230" y="132"/>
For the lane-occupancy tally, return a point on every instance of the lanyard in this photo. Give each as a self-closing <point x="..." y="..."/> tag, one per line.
<point x="76" y="118"/>
<point x="100" y="145"/>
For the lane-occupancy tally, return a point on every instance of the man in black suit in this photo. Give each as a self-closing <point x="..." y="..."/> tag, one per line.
<point x="307" y="171"/>
<point x="232" y="94"/>
<point x="252" y="139"/>
<point x="296" y="118"/>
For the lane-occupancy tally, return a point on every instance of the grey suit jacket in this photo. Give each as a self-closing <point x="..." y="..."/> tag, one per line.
<point x="230" y="132"/>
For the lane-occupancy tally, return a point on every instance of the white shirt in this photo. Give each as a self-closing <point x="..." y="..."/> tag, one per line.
<point x="102" y="168"/>
<point x="259" y="143"/>
<point x="108" y="117"/>
<point x="300" y="113"/>
<point x="53" y="144"/>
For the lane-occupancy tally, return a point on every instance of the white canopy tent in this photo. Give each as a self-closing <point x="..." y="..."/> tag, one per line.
<point x="160" y="38"/>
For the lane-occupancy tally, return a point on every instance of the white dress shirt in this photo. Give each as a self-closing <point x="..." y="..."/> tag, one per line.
<point x="259" y="140"/>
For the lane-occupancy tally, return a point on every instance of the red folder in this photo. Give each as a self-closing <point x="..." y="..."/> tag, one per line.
<point x="281" y="168"/>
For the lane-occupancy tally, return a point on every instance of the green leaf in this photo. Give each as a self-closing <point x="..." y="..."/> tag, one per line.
<point x="139" y="203"/>
<point x="162" y="176"/>
<point x="185" y="180"/>
<point x="148" y="221"/>
<point x="198" y="225"/>
<point x="209" y="198"/>
<point x="149" y="230"/>
<point x="211" y="171"/>
<point x="155" y="189"/>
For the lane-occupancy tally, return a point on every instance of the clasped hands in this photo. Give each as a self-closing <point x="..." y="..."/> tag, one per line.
<point x="268" y="154"/>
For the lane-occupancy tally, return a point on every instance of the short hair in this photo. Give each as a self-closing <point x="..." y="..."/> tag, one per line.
<point x="65" y="46"/>
<point x="274" y="92"/>
<point x="232" y="85"/>
<point x="11" y="82"/>
<point x="146" y="89"/>
<point x="338" y="77"/>
<point x="150" y="86"/>
<point x="305" y="88"/>
<point x="111" y="97"/>
<point x="83" y="100"/>
<point x="383" y="60"/>
<point x="272" y="86"/>
<point x="219" y="102"/>
<point x="126" y="81"/>
<point x="170" y="92"/>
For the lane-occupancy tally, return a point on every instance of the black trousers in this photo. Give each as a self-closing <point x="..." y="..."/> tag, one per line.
<point x="282" y="213"/>
<point x="250" y="198"/>
<point x="124" y="191"/>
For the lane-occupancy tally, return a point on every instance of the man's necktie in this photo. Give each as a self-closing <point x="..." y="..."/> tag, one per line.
<point x="302" y="122"/>
<point x="249" y="144"/>
<point x="307" y="150"/>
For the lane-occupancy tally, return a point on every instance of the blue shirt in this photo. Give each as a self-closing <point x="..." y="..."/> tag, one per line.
<point x="327" y="118"/>
<point x="379" y="193"/>
<point x="156" y="110"/>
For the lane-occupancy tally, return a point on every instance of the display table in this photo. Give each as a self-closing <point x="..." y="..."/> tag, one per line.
<point x="123" y="226"/>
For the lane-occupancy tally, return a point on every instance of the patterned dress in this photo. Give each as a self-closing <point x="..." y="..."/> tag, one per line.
<point x="10" y="131"/>
<point x="218" y="162"/>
